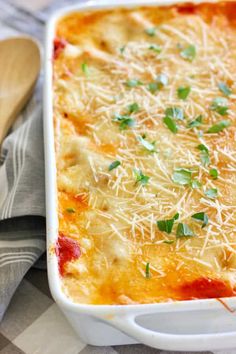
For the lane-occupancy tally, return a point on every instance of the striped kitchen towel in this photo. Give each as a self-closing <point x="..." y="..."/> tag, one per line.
<point x="22" y="210"/>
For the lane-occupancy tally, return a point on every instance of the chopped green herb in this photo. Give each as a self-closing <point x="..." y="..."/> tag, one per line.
<point x="168" y="242"/>
<point x="174" y="112"/>
<point x="159" y="83"/>
<point x="122" y="49"/>
<point x="183" y="92"/>
<point x="220" y="105"/>
<point x="171" y="124"/>
<point x="140" y="177"/>
<point x="195" y="123"/>
<point x="70" y="210"/>
<point x="133" y="108"/>
<point x="133" y="83"/>
<point x="189" y="53"/>
<point x="156" y="48"/>
<point x="125" y="121"/>
<point x="85" y="68"/>
<point x="183" y="230"/>
<point x="204" y="155"/>
<point x="214" y="173"/>
<point x="147" y="271"/>
<point x="182" y="176"/>
<point x="113" y="165"/>
<point x="150" y="31"/>
<point x="211" y="193"/>
<point x="218" y="127"/>
<point x="195" y="184"/>
<point x="224" y="89"/>
<point x="146" y="144"/>
<point x="201" y="217"/>
<point x="167" y="225"/>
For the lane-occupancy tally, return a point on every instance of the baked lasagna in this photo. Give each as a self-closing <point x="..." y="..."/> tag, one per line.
<point x="145" y="140"/>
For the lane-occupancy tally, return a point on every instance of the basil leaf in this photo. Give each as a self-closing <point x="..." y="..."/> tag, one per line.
<point x="133" y="108"/>
<point x="147" y="271"/>
<point x="195" y="184"/>
<point x="204" y="155"/>
<point x="183" y="92"/>
<point x="182" y="176"/>
<point x="211" y="193"/>
<point x="224" y="89"/>
<point x="133" y="83"/>
<point x="218" y="127"/>
<point x="140" y="177"/>
<point x="85" y="69"/>
<point x="201" y="217"/>
<point x="175" y="112"/>
<point x="122" y="49"/>
<point x="167" y="225"/>
<point x="156" y="48"/>
<point x="189" y="53"/>
<point x="151" y="31"/>
<point x="171" y="124"/>
<point x="113" y="165"/>
<point x="70" y="210"/>
<point x="183" y="230"/>
<point x="195" y="123"/>
<point x="220" y="105"/>
<point x="214" y="173"/>
<point x="146" y="144"/>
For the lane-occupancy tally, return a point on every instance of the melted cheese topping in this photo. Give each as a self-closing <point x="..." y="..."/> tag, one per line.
<point x="125" y="258"/>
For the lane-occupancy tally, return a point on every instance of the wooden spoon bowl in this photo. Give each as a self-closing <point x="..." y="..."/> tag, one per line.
<point x="19" y="69"/>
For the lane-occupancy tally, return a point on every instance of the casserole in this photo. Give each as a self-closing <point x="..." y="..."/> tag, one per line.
<point x="136" y="321"/>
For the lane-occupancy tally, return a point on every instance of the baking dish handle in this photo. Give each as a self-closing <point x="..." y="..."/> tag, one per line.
<point x="178" y="342"/>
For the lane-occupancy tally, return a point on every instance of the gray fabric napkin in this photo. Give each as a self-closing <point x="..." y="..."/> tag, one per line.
<point x="22" y="206"/>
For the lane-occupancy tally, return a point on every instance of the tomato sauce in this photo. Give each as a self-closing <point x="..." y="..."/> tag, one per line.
<point x="67" y="250"/>
<point x="206" y="288"/>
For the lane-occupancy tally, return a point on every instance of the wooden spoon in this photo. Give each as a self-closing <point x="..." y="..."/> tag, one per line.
<point x="19" y="69"/>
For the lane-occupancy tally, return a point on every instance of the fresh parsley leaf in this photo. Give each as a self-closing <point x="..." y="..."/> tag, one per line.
<point x="156" y="48"/>
<point x="146" y="144"/>
<point x="195" y="184"/>
<point x="204" y="155"/>
<point x="174" y="112"/>
<point x="220" y="105"/>
<point x="214" y="173"/>
<point x="133" y="83"/>
<point x="182" y="176"/>
<point x="224" y="89"/>
<point x="140" y="177"/>
<point x="159" y="83"/>
<point x="70" y="210"/>
<point x="167" y="225"/>
<point x="147" y="271"/>
<point x="211" y="193"/>
<point x="171" y="124"/>
<point x="189" y="53"/>
<point x="218" y="127"/>
<point x="195" y="123"/>
<point x="133" y="108"/>
<point x="85" y="68"/>
<point x="201" y="217"/>
<point x="125" y="121"/>
<point x="122" y="49"/>
<point x="151" y="31"/>
<point x="113" y="165"/>
<point x="183" y="230"/>
<point x="183" y="92"/>
<point x="168" y="242"/>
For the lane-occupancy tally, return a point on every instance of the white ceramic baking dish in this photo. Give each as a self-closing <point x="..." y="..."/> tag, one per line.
<point x="188" y="325"/>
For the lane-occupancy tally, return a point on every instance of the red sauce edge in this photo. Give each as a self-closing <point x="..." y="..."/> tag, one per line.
<point x="58" y="46"/>
<point x="67" y="250"/>
<point x="206" y="288"/>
